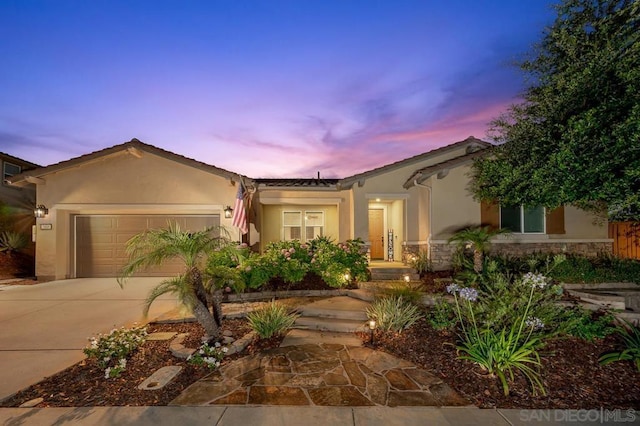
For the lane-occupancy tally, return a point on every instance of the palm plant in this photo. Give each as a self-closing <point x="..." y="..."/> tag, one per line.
<point x="479" y="239"/>
<point x="192" y="287"/>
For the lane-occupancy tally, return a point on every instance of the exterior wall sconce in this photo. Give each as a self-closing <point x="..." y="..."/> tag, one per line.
<point x="228" y="212"/>
<point x="40" y="211"/>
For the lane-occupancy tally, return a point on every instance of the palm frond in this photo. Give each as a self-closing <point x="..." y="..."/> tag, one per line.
<point x="179" y="286"/>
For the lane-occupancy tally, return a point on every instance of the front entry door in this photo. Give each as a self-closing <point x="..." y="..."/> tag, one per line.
<point x="376" y="233"/>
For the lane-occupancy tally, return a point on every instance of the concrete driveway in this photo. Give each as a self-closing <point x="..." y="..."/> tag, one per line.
<point x="44" y="327"/>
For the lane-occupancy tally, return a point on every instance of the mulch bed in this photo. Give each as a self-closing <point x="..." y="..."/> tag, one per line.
<point x="572" y="376"/>
<point x="16" y="265"/>
<point x="84" y="384"/>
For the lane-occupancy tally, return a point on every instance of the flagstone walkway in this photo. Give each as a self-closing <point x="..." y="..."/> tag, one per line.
<point x="323" y="374"/>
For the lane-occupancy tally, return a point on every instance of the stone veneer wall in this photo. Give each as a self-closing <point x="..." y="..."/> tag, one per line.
<point x="441" y="253"/>
<point x="409" y="250"/>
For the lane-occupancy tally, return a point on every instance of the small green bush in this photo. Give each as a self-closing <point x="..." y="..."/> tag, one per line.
<point x="393" y="313"/>
<point x="411" y="292"/>
<point x="442" y="316"/>
<point x="271" y="320"/>
<point x="421" y="262"/>
<point x="631" y="339"/>
<point x="583" y="324"/>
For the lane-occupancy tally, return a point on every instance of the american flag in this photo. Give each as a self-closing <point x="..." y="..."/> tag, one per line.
<point x="239" y="213"/>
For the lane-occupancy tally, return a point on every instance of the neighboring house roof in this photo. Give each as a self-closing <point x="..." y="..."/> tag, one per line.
<point x="472" y="144"/>
<point x="442" y="168"/>
<point x="297" y="183"/>
<point x="28" y="165"/>
<point x="133" y="147"/>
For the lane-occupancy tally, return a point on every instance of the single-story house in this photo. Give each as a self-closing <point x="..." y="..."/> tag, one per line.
<point x="96" y="202"/>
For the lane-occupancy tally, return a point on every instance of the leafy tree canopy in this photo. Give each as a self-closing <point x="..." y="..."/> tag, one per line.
<point x="575" y="138"/>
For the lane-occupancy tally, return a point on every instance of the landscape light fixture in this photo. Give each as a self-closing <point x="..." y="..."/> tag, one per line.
<point x="228" y="212"/>
<point x="40" y="211"/>
<point x="372" y="327"/>
<point x="406" y="278"/>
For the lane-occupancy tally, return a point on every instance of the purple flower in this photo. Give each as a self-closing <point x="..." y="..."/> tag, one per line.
<point x="452" y="288"/>
<point x="535" y="323"/>
<point x="469" y="293"/>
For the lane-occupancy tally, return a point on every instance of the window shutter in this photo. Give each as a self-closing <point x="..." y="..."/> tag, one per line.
<point x="490" y="214"/>
<point x="555" y="221"/>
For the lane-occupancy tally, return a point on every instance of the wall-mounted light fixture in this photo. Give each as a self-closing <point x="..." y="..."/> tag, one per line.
<point x="40" y="211"/>
<point x="228" y="212"/>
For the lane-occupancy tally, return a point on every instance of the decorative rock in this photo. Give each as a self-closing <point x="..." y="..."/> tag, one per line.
<point x="227" y="333"/>
<point x="226" y="340"/>
<point x="31" y="403"/>
<point x="161" y="335"/>
<point x="177" y="348"/>
<point x="160" y="378"/>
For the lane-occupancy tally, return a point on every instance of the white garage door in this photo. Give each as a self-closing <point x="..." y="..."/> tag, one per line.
<point x="101" y="239"/>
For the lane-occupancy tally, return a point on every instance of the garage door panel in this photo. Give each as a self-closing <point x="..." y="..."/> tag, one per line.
<point x="101" y="242"/>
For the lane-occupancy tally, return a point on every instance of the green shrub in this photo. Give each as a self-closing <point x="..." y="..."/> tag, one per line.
<point x="290" y="260"/>
<point x="270" y="320"/>
<point x="442" y="316"/>
<point x="339" y="264"/>
<point x="585" y="325"/>
<point x="11" y="241"/>
<point x="501" y="348"/>
<point x="393" y="313"/>
<point x="411" y="292"/>
<point x="421" y="262"/>
<point x="631" y="339"/>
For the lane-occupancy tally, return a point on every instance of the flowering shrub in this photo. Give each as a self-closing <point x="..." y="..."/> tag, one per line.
<point x="211" y="356"/>
<point x="501" y="350"/>
<point x="111" y="350"/>
<point x="339" y="264"/>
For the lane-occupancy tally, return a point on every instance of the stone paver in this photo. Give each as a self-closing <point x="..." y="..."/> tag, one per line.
<point x="322" y="374"/>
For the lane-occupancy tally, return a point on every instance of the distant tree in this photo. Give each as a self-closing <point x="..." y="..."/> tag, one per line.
<point x="575" y="139"/>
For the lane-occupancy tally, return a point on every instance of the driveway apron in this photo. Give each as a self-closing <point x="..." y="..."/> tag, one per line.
<point x="44" y="327"/>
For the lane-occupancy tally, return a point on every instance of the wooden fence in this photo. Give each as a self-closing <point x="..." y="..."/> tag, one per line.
<point x="626" y="239"/>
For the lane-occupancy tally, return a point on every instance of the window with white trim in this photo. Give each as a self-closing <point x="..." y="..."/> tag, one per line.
<point x="292" y="225"/>
<point x="302" y="225"/>
<point x="10" y="169"/>
<point x="523" y="220"/>
<point x="314" y="225"/>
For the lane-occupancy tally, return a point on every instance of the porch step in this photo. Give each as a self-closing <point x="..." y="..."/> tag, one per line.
<point x="342" y="314"/>
<point x="340" y="307"/>
<point x="393" y="274"/>
<point x="330" y="324"/>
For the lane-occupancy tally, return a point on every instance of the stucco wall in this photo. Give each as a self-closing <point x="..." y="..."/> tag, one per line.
<point x="453" y="204"/>
<point x="121" y="184"/>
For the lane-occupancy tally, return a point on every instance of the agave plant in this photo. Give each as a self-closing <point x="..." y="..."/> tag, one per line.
<point x="12" y="241"/>
<point x="192" y="287"/>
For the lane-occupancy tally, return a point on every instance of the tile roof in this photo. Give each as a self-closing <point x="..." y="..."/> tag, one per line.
<point x="298" y="183"/>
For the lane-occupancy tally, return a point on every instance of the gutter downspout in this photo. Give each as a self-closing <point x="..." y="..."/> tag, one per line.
<point x="415" y="182"/>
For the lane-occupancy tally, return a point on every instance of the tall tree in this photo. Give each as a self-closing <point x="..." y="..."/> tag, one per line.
<point x="575" y="139"/>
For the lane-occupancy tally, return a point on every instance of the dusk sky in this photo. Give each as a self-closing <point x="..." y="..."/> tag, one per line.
<point x="263" y="88"/>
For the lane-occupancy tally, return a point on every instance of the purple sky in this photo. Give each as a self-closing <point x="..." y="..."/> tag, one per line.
<point x="265" y="88"/>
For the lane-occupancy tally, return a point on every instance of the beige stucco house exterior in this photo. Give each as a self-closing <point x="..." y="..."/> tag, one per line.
<point x="98" y="201"/>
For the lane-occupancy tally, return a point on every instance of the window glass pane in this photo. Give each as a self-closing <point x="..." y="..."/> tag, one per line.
<point x="314" y="218"/>
<point x="292" y="218"/>
<point x="534" y="220"/>
<point x="510" y="218"/>
<point x="292" y="233"/>
<point x="11" y="170"/>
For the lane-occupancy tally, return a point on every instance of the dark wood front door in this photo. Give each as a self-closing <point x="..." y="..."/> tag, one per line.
<point x="376" y="233"/>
